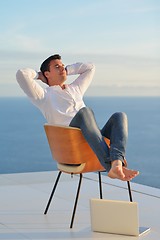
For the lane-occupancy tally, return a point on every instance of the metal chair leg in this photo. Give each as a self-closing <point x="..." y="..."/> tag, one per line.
<point x="129" y="190"/>
<point x="54" y="188"/>
<point x="76" y="200"/>
<point x="100" y="185"/>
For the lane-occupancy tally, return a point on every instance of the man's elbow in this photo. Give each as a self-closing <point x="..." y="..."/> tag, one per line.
<point x="19" y="74"/>
<point x="24" y="74"/>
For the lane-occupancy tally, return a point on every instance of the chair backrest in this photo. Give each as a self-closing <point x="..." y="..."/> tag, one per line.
<point x="68" y="146"/>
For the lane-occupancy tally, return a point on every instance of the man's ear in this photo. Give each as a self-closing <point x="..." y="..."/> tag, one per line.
<point x="46" y="74"/>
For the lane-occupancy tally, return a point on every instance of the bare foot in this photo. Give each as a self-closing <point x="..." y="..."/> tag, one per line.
<point x="120" y="172"/>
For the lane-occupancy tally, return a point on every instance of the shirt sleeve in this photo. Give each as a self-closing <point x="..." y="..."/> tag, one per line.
<point x="26" y="78"/>
<point x="85" y="71"/>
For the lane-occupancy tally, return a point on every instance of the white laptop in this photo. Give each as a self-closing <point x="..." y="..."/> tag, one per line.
<point x="117" y="217"/>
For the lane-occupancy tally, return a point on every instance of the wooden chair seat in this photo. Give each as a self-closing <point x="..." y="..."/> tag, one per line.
<point x="69" y="147"/>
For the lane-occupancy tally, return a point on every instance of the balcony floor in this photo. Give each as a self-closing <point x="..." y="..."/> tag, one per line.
<point x="24" y="197"/>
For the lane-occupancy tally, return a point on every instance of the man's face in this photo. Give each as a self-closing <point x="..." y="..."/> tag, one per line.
<point x="57" y="74"/>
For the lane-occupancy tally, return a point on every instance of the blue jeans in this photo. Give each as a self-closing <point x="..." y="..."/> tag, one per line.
<point x="116" y="129"/>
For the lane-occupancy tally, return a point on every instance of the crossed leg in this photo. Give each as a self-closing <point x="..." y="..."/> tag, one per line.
<point x="116" y="130"/>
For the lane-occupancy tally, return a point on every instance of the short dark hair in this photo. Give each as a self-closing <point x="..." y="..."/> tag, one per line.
<point x="45" y="65"/>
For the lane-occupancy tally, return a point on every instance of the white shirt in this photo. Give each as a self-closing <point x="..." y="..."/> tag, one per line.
<point x="58" y="105"/>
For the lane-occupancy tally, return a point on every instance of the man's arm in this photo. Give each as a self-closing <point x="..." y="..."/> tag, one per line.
<point x="85" y="71"/>
<point x="27" y="80"/>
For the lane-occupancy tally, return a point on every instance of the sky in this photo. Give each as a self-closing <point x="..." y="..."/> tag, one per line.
<point x="121" y="37"/>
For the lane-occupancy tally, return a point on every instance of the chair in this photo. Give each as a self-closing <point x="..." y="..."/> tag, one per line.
<point x="73" y="156"/>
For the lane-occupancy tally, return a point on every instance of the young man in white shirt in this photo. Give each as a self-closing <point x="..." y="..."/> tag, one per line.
<point x="63" y="104"/>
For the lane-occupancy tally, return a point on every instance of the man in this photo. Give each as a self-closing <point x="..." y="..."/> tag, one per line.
<point x="63" y="104"/>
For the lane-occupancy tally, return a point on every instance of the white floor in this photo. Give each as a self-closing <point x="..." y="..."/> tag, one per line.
<point x="24" y="196"/>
